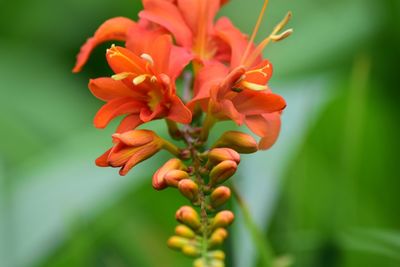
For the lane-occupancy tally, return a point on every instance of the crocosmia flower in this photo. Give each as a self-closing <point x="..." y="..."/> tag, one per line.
<point x="180" y="64"/>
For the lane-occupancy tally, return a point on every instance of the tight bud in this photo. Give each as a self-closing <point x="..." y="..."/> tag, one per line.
<point x="220" y="196"/>
<point x="218" y="155"/>
<point x="222" y="219"/>
<point x="159" y="182"/>
<point x="222" y="172"/>
<point x="217" y="237"/>
<point x="188" y="216"/>
<point x="177" y="242"/>
<point x="184" y="231"/>
<point x="191" y="251"/>
<point x="172" y="178"/>
<point x="217" y="255"/>
<point x="189" y="189"/>
<point x="238" y="141"/>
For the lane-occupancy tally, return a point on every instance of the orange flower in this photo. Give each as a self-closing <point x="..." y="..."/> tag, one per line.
<point x="240" y="93"/>
<point x="143" y="86"/>
<point x="192" y="24"/>
<point x="129" y="149"/>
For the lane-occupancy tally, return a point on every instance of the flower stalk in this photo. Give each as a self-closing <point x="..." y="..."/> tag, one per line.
<point x="224" y="78"/>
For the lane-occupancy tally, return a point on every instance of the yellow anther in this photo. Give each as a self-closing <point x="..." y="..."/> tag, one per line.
<point x="254" y="86"/>
<point x="148" y="58"/>
<point x="121" y="76"/>
<point x="139" y="79"/>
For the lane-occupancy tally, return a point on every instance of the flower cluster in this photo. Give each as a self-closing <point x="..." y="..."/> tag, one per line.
<point x="224" y="78"/>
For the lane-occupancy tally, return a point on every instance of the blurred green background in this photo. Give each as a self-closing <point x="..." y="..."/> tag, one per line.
<point x="327" y="194"/>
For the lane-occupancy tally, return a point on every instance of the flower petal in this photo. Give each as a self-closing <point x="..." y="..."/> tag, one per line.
<point x="232" y="36"/>
<point x="123" y="60"/>
<point x="102" y="161"/>
<point x="129" y="123"/>
<point x="179" y="112"/>
<point x="114" y="108"/>
<point x="168" y="16"/>
<point x="108" y="88"/>
<point x="250" y="102"/>
<point x="140" y="155"/>
<point x="135" y="138"/>
<point x="179" y="59"/>
<point x="112" y="29"/>
<point x="267" y="126"/>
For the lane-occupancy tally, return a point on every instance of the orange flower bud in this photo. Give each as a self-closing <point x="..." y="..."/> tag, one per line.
<point x="222" y="219"/>
<point x="218" y="155"/>
<point x="222" y="172"/>
<point x="177" y="242"/>
<point x="191" y="251"/>
<point x="217" y="237"/>
<point x="189" y="189"/>
<point x="220" y="196"/>
<point x="159" y="182"/>
<point x="173" y="177"/>
<point x="188" y="216"/>
<point x="238" y="141"/>
<point x="130" y="148"/>
<point x="184" y="231"/>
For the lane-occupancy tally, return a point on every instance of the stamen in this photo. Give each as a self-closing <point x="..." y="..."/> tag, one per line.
<point x="139" y="79"/>
<point x="148" y="58"/>
<point x="121" y="76"/>
<point x="254" y="86"/>
<point x="253" y="35"/>
<point x="153" y="79"/>
<point x="259" y="49"/>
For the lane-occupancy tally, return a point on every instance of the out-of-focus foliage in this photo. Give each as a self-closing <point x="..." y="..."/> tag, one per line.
<point x="332" y="199"/>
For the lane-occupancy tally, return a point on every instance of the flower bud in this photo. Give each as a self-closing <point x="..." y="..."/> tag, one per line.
<point x="220" y="196"/>
<point x="188" y="216"/>
<point x="217" y="255"/>
<point x="217" y="155"/>
<point x="173" y="177"/>
<point x="159" y="182"/>
<point x="177" y="242"/>
<point x="189" y="189"/>
<point x="238" y="141"/>
<point x="222" y="172"/>
<point x="217" y="237"/>
<point x="191" y="251"/>
<point x="130" y="148"/>
<point x="222" y="219"/>
<point x="184" y="231"/>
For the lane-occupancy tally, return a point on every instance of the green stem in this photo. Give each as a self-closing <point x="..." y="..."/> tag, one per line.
<point x="264" y="248"/>
<point x="208" y="123"/>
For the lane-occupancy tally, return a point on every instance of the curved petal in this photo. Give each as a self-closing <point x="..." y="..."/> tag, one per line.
<point x="129" y="123"/>
<point x="140" y="155"/>
<point x="168" y="16"/>
<point x="112" y="29"/>
<point x="160" y="51"/>
<point x="179" y="112"/>
<point x="267" y="126"/>
<point x="123" y="60"/>
<point x="146" y="114"/>
<point x="102" y="161"/>
<point x="178" y="60"/>
<point x="114" y="108"/>
<point x="197" y="15"/>
<point x="141" y="37"/>
<point x="107" y="88"/>
<point x="250" y="102"/>
<point x="233" y="37"/>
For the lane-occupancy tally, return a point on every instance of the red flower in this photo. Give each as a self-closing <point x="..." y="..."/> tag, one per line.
<point x="143" y="87"/>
